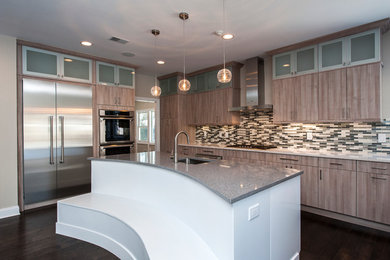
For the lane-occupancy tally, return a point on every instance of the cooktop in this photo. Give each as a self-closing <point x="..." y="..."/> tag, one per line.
<point x="261" y="147"/>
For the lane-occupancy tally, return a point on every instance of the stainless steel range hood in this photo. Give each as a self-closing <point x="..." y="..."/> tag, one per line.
<point x="254" y="86"/>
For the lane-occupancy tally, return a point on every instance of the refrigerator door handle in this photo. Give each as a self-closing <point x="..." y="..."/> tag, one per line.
<point x="62" y="119"/>
<point x="51" y="160"/>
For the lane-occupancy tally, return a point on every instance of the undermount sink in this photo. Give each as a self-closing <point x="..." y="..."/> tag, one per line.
<point x="193" y="160"/>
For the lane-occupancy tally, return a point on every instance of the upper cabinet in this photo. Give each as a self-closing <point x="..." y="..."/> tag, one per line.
<point x="353" y="50"/>
<point x="114" y="75"/>
<point x="294" y="63"/>
<point x="343" y="85"/>
<point x="42" y="63"/>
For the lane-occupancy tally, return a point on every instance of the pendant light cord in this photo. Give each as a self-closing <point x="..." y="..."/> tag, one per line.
<point x="155" y="60"/>
<point x="223" y="30"/>
<point x="184" y="49"/>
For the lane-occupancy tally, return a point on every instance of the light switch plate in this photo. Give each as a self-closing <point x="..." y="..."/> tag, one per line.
<point x="253" y="211"/>
<point x="381" y="138"/>
<point x="309" y="135"/>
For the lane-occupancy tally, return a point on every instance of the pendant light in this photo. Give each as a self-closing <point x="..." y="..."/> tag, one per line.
<point x="156" y="90"/>
<point x="224" y="75"/>
<point x="184" y="84"/>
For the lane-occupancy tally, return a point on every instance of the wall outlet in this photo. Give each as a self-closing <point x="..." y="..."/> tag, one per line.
<point x="381" y="138"/>
<point x="221" y="135"/>
<point x="253" y="211"/>
<point x="205" y="134"/>
<point x="309" y="135"/>
<point x="226" y="134"/>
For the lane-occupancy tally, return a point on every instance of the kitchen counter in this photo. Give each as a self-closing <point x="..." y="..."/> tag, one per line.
<point x="304" y="152"/>
<point x="231" y="180"/>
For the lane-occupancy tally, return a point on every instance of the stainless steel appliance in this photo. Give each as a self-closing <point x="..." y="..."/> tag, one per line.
<point x="116" y="132"/>
<point x="57" y="132"/>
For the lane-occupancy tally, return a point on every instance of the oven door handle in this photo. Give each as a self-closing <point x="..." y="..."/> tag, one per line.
<point x="116" y="145"/>
<point x="119" y="118"/>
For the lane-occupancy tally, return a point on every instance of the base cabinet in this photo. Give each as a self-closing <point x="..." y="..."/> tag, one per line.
<point x="338" y="191"/>
<point x="373" y="200"/>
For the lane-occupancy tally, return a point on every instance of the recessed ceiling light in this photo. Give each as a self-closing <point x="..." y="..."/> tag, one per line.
<point x="227" y="36"/>
<point x="133" y="72"/>
<point x="161" y="62"/>
<point x="286" y="65"/>
<point x="68" y="60"/>
<point x="85" y="43"/>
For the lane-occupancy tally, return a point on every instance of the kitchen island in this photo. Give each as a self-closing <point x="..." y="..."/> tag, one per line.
<point x="145" y="206"/>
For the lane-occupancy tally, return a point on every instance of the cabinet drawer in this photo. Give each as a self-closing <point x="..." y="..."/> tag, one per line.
<point x="209" y="151"/>
<point x="185" y="150"/>
<point x="285" y="159"/>
<point x="373" y="167"/>
<point x="309" y="161"/>
<point x="340" y="164"/>
<point x="255" y="156"/>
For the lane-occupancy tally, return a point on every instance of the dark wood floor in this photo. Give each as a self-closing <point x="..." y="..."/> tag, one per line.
<point x="32" y="236"/>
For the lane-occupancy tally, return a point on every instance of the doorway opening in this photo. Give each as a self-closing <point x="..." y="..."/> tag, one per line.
<point x="147" y="125"/>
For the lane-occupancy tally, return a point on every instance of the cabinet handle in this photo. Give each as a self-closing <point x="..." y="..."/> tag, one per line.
<point x="377" y="178"/>
<point x="337" y="164"/>
<point x="207" y="151"/>
<point x="376" y="168"/>
<point x="320" y="175"/>
<point x="287" y="159"/>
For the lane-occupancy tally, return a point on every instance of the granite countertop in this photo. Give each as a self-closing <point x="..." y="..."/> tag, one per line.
<point x="231" y="180"/>
<point x="305" y="152"/>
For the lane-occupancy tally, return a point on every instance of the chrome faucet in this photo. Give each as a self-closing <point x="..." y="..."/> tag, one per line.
<point x="176" y="137"/>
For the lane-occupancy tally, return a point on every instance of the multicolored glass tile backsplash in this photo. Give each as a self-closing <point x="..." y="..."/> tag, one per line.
<point x="257" y="128"/>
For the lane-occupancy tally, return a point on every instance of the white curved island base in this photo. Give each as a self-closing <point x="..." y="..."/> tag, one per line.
<point x="140" y="211"/>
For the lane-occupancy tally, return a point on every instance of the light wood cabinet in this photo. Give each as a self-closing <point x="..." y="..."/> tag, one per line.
<point x="283" y="100"/>
<point x="337" y="186"/>
<point x="211" y="107"/>
<point x="332" y="95"/>
<point x="363" y="92"/>
<point x="116" y="96"/>
<point x="296" y="99"/>
<point x="373" y="202"/>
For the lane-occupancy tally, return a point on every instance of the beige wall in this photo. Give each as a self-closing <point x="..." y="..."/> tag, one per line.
<point x="143" y="84"/>
<point x="8" y="133"/>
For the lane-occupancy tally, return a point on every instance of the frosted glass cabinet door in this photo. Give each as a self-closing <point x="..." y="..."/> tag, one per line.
<point x="126" y="76"/>
<point x="332" y="54"/>
<point x="106" y="73"/>
<point x="40" y="62"/>
<point x="306" y="59"/>
<point x="364" y="47"/>
<point x="77" y="69"/>
<point x="282" y="65"/>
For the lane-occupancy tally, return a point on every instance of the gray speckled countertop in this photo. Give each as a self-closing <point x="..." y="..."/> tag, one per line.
<point x="304" y="152"/>
<point x="231" y="180"/>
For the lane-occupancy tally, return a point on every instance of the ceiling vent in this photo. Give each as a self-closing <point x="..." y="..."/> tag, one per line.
<point x="119" y="40"/>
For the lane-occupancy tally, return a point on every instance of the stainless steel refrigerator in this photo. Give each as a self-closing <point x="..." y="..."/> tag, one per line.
<point x="57" y="134"/>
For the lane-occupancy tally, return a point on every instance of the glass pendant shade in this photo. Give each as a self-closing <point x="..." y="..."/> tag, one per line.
<point x="184" y="85"/>
<point x="156" y="91"/>
<point x="224" y="76"/>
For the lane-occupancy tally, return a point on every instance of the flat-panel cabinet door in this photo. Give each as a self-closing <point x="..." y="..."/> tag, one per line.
<point x="338" y="191"/>
<point x="363" y="92"/>
<point x="332" y="95"/>
<point x="283" y="65"/>
<point x="283" y="100"/>
<point x="373" y="200"/>
<point x="306" y="98"/>
<point x="332" y="54"/>
<point x="125" y="77"/>
<point x="40" y="63"/>
<point x="105" y="73"/>
<point x="76" y="69"/>
<point x="364" y="47"/>
<point x="309" y="185"/>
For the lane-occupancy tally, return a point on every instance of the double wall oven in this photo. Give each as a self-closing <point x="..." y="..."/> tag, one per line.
<point x="116" y="132"/>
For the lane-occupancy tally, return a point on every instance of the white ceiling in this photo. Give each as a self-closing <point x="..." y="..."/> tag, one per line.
<point x="258" y="25"/>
